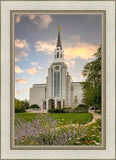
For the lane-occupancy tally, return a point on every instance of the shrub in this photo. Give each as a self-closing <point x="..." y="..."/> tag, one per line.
<point x="67" y="107"/>
<point x="57" y="110"/>
<point x="81" y="109"/>
<point x="34" y="106"/>
<point x="19" y="110"/>
<point x="82" y="105"/>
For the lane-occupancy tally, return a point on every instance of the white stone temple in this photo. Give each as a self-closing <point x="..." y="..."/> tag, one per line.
<point x="59" y="91"/>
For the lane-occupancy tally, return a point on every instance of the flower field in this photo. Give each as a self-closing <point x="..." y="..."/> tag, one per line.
<point x="47" y="130"/>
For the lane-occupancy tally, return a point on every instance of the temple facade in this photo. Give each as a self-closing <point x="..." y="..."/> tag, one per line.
<point x="59" y="91"/>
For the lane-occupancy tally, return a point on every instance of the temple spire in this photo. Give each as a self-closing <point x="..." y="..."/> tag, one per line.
<point x="58" y="52"/>
<point x="59" y="40"/>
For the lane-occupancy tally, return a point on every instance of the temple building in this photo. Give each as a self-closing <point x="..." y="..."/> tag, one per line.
<point x="59" y="91"/>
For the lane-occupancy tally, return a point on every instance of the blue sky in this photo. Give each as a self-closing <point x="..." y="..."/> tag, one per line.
<point x="35" y="41"/>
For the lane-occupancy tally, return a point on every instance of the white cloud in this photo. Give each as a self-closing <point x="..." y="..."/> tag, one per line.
<point x="17" y="59"/>
<point x="21" y="80"/>
<point x="77" y="50"/>
<point x="18" y="70"/>
<point x="45" y="46"/>
<point x="40" y="68"/>
<point x="34" y="63"/>
<point x="17" y="92"/>
<point x="42" y="21"/>
<point x="32" y="71"/>
<point x="21" y="43"/>
<point x="18" y="18"/>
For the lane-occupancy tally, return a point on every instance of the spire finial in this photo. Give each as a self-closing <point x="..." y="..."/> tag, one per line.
<point x="58" y="28"/>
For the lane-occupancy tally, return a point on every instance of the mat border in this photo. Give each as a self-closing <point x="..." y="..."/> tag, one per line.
<point x="0" y="68"/>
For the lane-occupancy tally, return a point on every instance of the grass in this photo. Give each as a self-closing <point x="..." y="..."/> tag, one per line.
<point x="61" y="117"/>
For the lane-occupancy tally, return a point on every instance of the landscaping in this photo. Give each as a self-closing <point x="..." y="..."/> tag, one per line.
<point x="60" y="117"/>
<point x="56" y="129"/>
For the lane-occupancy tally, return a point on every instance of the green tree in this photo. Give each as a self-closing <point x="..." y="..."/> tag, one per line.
<point x="25" y="104"/>
<point x="92" y="85"/>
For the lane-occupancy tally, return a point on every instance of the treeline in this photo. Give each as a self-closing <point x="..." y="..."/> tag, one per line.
<point x="21" y="105"/>
<point x="92" y="85"/>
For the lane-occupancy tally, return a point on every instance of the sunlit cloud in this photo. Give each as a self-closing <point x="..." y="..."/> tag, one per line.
<point x="17" y="59"/>
<point x="40" y="68"/>
<point x="21" y="43"/>
<point x="17" y="92"/>
<point x="21" y="80"/>
<point x="45" y="46"/>
<point x="34" y="64"/>
<point x="84" y="51"/>
<point x="79" y="50"/>
<point x="32" y="71"/>
<point x="42" y="21"/>
<point x="26" y="89"/>
<point x="18" y="18"/>
<point x="18" y="70"/>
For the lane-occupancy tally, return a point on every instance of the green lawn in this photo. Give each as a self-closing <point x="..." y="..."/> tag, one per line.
<point x="61" y="117"/>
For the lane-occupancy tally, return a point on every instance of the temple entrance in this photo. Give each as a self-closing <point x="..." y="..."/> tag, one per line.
<point x="58" y="104"/>
<point x="51" y="103"/>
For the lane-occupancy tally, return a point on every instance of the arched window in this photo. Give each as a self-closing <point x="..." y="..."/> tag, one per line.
<point x="57" y="54"/>
<point x="61" y="56"/>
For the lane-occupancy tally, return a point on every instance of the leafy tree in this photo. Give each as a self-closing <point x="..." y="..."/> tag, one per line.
<point x="25" y="104"/>
<point x="92" y="86"/>
<point x="18" y="103"/>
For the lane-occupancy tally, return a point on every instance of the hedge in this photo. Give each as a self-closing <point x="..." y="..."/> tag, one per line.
<point x="57" y="110"/>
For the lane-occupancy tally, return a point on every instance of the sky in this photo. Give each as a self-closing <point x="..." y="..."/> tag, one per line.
<point x="35" y="42"/>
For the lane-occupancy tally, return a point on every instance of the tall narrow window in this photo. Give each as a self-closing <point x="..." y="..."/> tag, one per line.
<point x="57" y="84"/>
<point x="57" y="54"/>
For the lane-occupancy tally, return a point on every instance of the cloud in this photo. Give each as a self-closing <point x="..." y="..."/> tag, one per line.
<point x="32" y="71"/>
<point x="21" y="80"/>
<point x="17" y="59"/>
<point x="17" y="92"/>
<point x="21" y="43"/>
<point x="83" y="50"/>
<point x="26" y="89"/>
<point x="18" y="18"/>
<point x="18" y="70"/>
<point x="70" y="63"/>
<point x="45" y="46"/>
<point x="42" y="21"/>
<point x="34" y="64"/>
<point x="71" y="52"/>
<point x="40" y="68"/>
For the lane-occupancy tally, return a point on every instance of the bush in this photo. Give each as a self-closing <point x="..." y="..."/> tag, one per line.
<point x="68" y="109"/>
<point x="19" y="110"/>
<point x="57" y="110"/>
<point x="81" y="109"/>
<point x="82" y="105"/>
<point x="34" y="106"/>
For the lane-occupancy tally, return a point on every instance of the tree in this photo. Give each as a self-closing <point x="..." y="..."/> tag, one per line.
<point x="25" y="104"/>
<point x="92" y="85"/>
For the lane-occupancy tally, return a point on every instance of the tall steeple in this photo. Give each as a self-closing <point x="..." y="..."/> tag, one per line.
<point x="59" y="40"/>
<point x="58" y="53"/>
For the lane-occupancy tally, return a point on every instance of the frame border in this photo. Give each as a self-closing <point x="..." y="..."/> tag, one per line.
<point x="12" y="75"/>
<point x="0" y="70"/>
